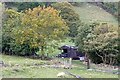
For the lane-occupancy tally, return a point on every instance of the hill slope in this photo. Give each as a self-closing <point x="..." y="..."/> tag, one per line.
<point x="89" y="12"/>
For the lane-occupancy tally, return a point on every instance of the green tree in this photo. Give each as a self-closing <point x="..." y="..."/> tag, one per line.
<point x="22" y="6"/>
<point x="9" y="22"/>
<point x="111" y="7"/>
<point x="68" y="14"/>
<point x="100" y="42"/>
<point x="26" y="5"/>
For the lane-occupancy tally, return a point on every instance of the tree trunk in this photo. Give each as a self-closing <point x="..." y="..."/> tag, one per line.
<point x="101" y="57"/>
<point x="110" y="60"/>
<point x="88" y="64"/>
<point x="105" y="59"/>
<point x="88" y="61"/>
<point x="47" y="55"/>
<point x="42" y="53"/>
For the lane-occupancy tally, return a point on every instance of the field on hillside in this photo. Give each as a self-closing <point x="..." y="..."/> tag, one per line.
<point x="19" y="67"/>
<point x="89" y="13"/>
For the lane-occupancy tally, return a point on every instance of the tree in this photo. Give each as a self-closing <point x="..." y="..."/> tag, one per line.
<point x="68" y="14"/>
<point x="84" y="31"/>
<point x="99" y="41"/>
<point x="22" y="6"/>
<point x="39" y="26"/>
<point x="26" y="5"/>
<point x="111" y="7"/>
<point x="10" y="20"/>
<point x="103" y="42"/>
<point x="1" y="9"/>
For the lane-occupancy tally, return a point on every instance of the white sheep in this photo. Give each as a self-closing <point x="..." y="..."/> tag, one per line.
<point x="61" y="74"/>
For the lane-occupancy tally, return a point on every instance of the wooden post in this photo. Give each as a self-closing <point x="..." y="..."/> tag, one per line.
<point x="42" y="53"/>
<point x="63" y="62"/>
<point x="88" y="61"/>
<point x="70" y="63"/>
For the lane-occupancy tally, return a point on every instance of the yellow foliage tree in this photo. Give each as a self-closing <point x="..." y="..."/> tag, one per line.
<point x="40" y="25"/>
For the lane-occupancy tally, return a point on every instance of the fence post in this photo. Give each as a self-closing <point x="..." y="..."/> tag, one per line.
<point x="70" y="63"/>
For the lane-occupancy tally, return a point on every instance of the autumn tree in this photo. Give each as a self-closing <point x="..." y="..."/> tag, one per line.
<point x="39" y="26"/>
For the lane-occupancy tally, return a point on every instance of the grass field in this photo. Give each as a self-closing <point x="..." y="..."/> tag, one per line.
<point x="89" y="13"/>
<point x="19" y="67"/>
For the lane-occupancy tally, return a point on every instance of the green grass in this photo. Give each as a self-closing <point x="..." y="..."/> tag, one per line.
<point x="26" y="70"/>
<point x="89" y="13"/>
<point x="81" y="70"/>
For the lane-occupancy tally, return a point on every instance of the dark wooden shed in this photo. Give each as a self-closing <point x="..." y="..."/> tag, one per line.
<point x="70" y="52"/>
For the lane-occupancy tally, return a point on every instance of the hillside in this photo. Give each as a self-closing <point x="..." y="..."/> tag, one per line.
<point x="89" y="12"/>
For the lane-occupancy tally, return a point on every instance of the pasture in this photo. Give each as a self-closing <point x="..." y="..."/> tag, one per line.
<point x="89" y="13"/>
<point x="20" y="67"/>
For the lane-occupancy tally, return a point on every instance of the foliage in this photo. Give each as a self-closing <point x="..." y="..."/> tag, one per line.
<point x="8" y="4"/>
<point x="22" y="6"/>
<point x="78" y="4"/>
<point x="111" y="7"/>
<point x="38" y="26"/>
<point x="9" y="21"/>
<point x="26" y="33"/>
<point x="12" y="20"/>
<point x="70" y="17"/>
<point x="101" y="40"/>
<point x="26" y="5"/>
